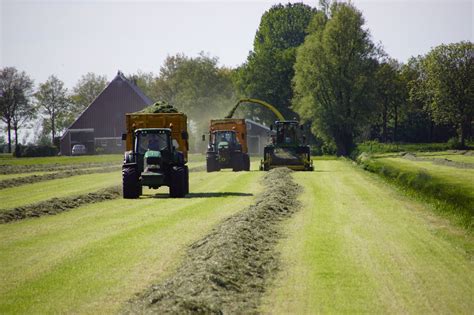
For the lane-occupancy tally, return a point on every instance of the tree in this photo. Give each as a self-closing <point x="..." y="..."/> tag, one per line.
<point x="334" y="76"/>
<point x="389" y="96"/>
<point x="448" y="86"/>
<point x="268" y="71"/>
<point x="146" y="81"/>
<point x="53" y="102"/>
<point x="197" y="87"/>
<point x="15" y="93"/>
<point x="86" y="90"/>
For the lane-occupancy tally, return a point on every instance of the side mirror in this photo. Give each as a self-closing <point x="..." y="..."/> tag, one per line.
<point x="124" y="136"/>
<point x="203" y="137"/>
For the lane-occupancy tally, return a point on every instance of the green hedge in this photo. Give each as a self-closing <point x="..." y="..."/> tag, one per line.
<point x="35" y="150"/>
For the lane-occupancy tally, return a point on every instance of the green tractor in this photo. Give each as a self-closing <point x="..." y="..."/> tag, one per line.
<point x="287" y="148"/>
<point x="154" y="161"/>
<point x="225" y="151"/>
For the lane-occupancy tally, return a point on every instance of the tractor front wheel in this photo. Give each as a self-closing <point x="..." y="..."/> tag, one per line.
<point x="212" y="165"/>
<point x="131" y="184"/>
<point x="177" y="185"/>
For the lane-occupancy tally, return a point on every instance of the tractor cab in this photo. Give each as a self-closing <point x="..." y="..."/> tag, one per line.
<point x="224" y="139"/>
<point x="287" y="133"/>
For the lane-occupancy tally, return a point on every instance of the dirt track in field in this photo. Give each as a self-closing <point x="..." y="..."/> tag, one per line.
<point x="17" y="169"/>
<point x="226" y="272"/>
<point x="57" y="205"/>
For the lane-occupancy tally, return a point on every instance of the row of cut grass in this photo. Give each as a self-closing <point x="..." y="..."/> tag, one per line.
<point x="106" y="158"/>
<point x="93" y="259"/>
<point x="359" y="246"/>
<point x="57" y="188"/>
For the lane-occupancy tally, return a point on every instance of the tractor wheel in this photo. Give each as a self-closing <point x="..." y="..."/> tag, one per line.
<point x="131" y="185"/>
<point x="238" y="163"/>
<point x="186" y="180"/>
<point x="212" y="165"/>
<point x="177" y="185"/>
<point x="246" y="162"/>
<point x="265" y="166"/>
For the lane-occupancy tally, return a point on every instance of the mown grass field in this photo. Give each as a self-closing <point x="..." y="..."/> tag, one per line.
<point x="450" y="186"/>
<point x="106" y="158"/>
<point x="358" y="244"/>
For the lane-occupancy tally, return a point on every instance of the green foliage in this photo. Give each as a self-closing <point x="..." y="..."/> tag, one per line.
<point x="86" y="91"/>
<point x="376" y="147"/>
<point x="334" y="77"/>
<point x="146" y="81"/>
<point x="390" y="97"/>
<point x="35" y="150"/>
<point x="54" y="104"/>
<point x="16" y="107"/>
<point x="446" y="86"/>
<point x="268" y="71"/>
<point x="197" y="87"/>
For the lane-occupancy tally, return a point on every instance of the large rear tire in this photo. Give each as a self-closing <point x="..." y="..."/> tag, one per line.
<point x="131" y="184"/>
<point x="177" y="185"/>
<point x="246" y="162"/>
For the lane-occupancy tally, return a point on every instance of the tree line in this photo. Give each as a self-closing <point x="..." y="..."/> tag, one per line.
<point x="321" y="66"/>
<point x="318" y="65"/>
<point x="50" y="103"/>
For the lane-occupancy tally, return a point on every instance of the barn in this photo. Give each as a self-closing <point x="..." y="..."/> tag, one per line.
<point x="257" y="137"/>
<point x="101" y="125"/>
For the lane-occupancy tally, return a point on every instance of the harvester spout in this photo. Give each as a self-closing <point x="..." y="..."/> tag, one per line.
<point x="255" y="101"/>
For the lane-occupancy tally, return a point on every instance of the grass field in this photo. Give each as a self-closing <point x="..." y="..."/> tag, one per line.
<point x="31" y="193"/>
<point x="358" y="244"/>
<point x="106" y="158"/>
<point x="449" y="188"/>
<point x="92" y="259"/>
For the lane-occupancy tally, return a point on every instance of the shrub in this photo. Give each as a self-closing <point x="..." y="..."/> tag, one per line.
<point x="455" y="144"/>
<point x="35" y="150"/>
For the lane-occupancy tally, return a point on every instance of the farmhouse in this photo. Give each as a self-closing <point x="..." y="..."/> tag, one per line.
<point x="101" y="125"/>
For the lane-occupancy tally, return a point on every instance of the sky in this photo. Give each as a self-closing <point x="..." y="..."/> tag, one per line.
<point x="70" y="38"/>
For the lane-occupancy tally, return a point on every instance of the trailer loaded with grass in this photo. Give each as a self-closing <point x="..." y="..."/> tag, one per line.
<point x="157" y="147"/>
